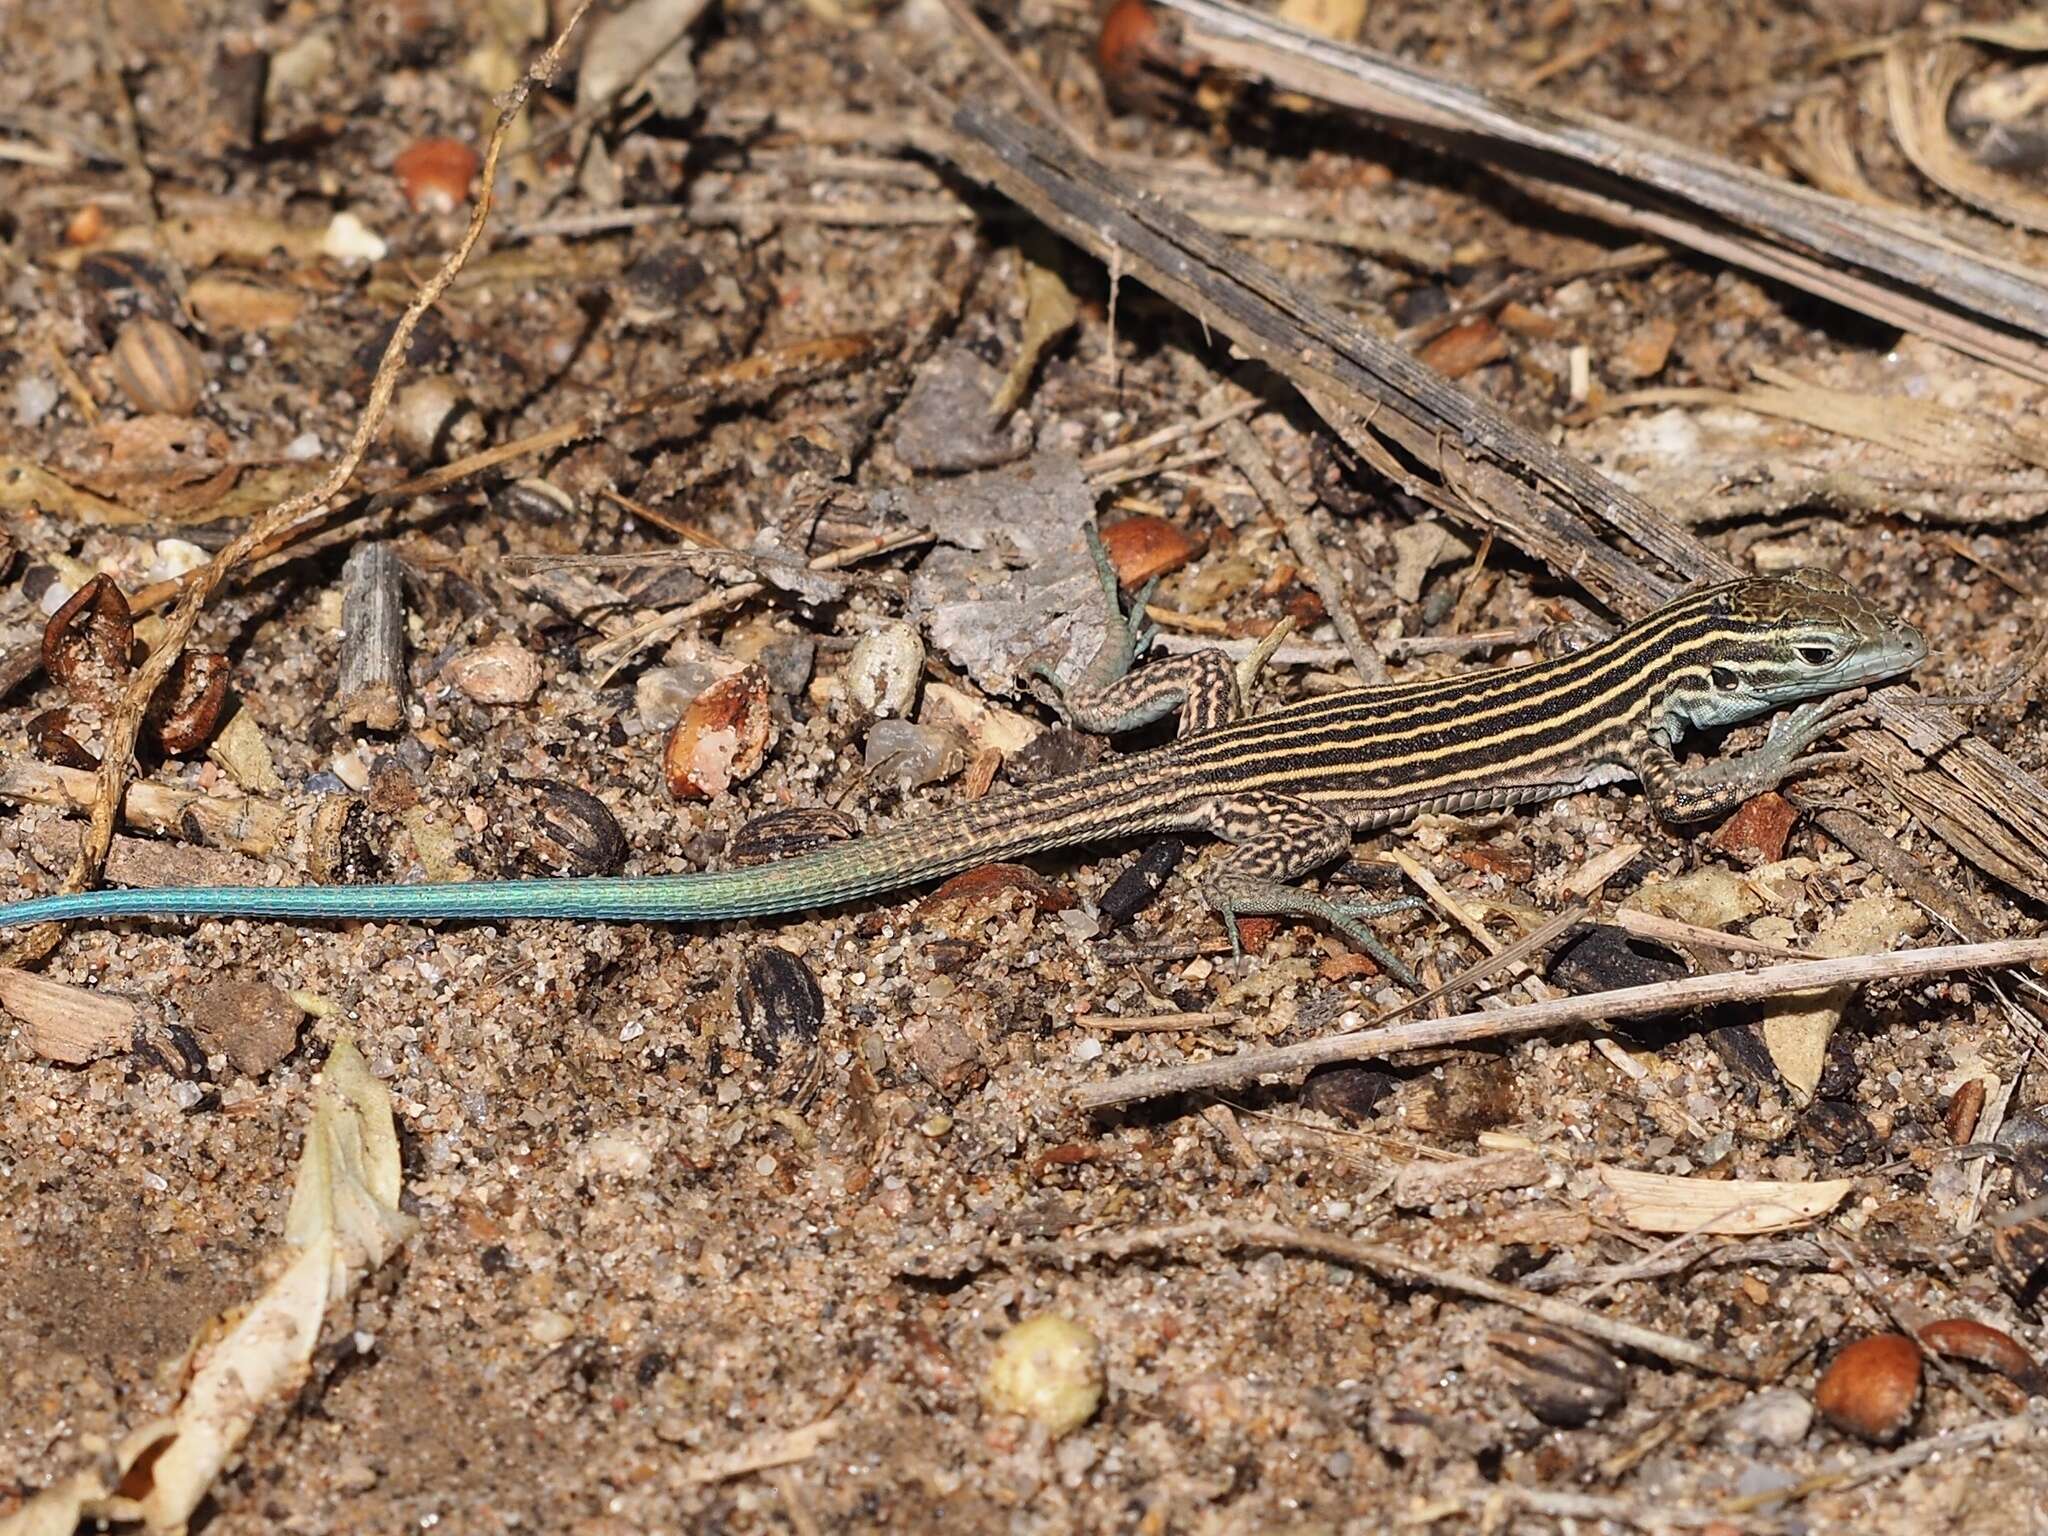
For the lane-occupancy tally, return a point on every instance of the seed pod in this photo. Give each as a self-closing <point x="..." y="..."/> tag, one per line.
<point x="1871" y="1388"/>
<point x="338" y="848"/>
<point x="580" y="829"/>
<point x="782" y="1010"/>
<point x="722" y="739"/>
<point x="1134" y="889"/>
<point x="1963" y="1338"/>
<point x="187" y="707"/>
<point x="159" y="371"/>
<point x="1964" y="1110"/>
<point x="88" y="642"/>
<point x="1566" y="1381"/>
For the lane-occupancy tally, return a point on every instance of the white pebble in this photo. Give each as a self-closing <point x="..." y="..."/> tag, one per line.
<point x="883" y="672"/>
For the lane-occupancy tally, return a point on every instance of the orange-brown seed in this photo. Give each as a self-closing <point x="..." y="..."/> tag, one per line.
<point x="1872" y="1387"/>
<point x="722" y="739"/>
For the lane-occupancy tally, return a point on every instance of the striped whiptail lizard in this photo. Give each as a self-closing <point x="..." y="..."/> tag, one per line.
<point x="1285" y="789"/>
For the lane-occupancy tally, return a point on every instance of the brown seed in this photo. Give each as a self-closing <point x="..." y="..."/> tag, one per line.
<point x="1965" y="1107"/>
<point x="88" y="226"/>
<point x="1872" y="1387"/>
<point x="186" y="709"/>
<point x="1563" y="1379"/>
<point x="1465" y="347"/>
<point x="159" y="371"/>
<point x="1962" y="1338"/>
<point x="88" y="642"/>
<point x="435" y="174"/>
<point x="1143" y="547"/>
<point x="722" y="739"/>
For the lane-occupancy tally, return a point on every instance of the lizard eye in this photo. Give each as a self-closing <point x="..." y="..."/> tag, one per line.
<point x="1726" y="679"/>
<point x="1815" y="655"/>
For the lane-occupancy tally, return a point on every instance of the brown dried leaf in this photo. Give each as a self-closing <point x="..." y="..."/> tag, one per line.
<point x="237" y="304"/>
<point x="988" y="880"/>
<point x="1462" y="348"/>
<point x="51" y="732"/>
<point x="187" y="707"/>
<point x="170" y="466"/>
<point x="89" y="642"/>
<point x="1143" y="547"/>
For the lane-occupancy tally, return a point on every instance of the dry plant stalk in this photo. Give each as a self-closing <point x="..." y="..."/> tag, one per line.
<point x="1919" y="87"/>
<point x="1891" y="264"/>
<point x="1382" y="1259"/>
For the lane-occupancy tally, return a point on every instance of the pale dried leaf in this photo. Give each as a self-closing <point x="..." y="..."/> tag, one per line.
<point x="1049" y="311"/>
<point x="1798" y="1026"/>
<point x="345" y="1221"/>
<point x="1661" y="1202"/>
<point x="66" y="1024"/>
<point x="1821" y="149"/>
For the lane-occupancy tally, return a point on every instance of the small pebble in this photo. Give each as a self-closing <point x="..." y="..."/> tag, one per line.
<point x="1048" y="1369"/>
<point x="550" y="1328"/>
<point x="913" y="755"/>
<point x="883" y="672"/>
<point x="1779" y="1417"/>
<point x="252" y="1023"/>
<point x="349" y="239"/>
<point x="501" y="673"/>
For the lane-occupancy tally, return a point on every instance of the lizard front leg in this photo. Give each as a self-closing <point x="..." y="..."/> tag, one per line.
<point x="1683" y="792"/>
<point x="1278" y="839"/>
<point x="1205" y="687"/>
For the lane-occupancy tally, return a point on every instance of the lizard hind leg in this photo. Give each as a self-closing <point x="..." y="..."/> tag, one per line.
<point x="1276" y="840"/>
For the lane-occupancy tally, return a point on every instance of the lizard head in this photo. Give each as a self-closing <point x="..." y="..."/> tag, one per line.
<point x="1781" y="639"/>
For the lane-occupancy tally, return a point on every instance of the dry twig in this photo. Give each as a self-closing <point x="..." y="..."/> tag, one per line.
<point x="1387" y="1261"/>
<point x="1564" y="1012"/>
